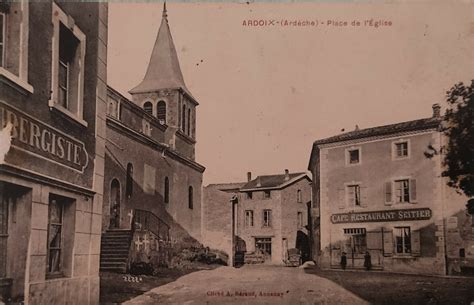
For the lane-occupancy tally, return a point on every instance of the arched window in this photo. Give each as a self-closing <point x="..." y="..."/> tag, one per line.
<point x="148" y="107"/>
<point x="167" y="190"/>
<point x="299" y="196"/>
<point x="189" y="121"/>
<point x="183" y="118"/>
<point x="161" y="112"/>
<point x="190" y="198"/>
<point x="129" y="186"/>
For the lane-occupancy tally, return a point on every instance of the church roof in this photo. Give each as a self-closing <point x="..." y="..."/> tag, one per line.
<point x="163" y="70"/>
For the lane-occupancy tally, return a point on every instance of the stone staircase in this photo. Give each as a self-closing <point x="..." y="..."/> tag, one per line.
<point x="114" y="249"/>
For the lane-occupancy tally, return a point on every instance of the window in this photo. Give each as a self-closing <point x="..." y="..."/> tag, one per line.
<point x="400" y="149"/>
<point x="3" y="21"/>
<point x="402" y="190"/>
<point x="267" y="218"/>
<point x="300" y="219"/>
<point x="353" y="195"/>
<point x="183" y="119"/>
<point x="167" y="190"/>
<point x="161" y="112"/>
<point x="249" y="218"/>
<point x="267" y="194"/>
<point x="353" y="156"/>
<point x="14" y="44"/>
<point x="190" y="198"/>
<point x="249" y="195"/>
<point x="68" y="65"/>
<point x="189" y="122"/>
<point x="299" y="196"/>
<point x="356" y="240"/>
<point x="148" y="107"/>
<point x="129" y="185"/>
<point x="402" y="240"/>
<point x="55" y="238"/>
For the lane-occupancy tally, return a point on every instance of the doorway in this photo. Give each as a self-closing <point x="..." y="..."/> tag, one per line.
<point x="114" y="204"/>
<point x="264" y="244"/>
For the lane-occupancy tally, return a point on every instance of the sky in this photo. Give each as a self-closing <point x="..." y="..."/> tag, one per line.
<point x="266" y="93"/>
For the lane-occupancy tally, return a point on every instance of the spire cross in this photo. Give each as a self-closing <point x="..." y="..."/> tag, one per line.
<point x="164" y="10"/>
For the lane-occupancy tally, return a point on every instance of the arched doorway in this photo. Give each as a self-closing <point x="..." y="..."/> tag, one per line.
<point x="114" y="204"/>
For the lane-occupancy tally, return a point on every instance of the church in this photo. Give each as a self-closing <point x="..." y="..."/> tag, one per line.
<point x="152" y="182"/>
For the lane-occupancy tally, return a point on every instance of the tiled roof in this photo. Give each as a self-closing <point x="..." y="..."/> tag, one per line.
<point x="270" y="181"/>
<point x="420" y="124"/>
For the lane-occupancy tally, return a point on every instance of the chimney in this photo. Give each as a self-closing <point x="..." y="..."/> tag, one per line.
<point x="287" y="175"/>
<point x="436" y="110"/>
<point x="259" y="184"/>
<point x="249" y="176"/>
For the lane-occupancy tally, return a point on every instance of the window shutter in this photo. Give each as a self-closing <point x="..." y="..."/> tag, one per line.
<point x="387" y="243"/>
<point x="415" y="243"/>
<point x="341" y="198"/>
<point x="388" y="193"/>
<point x="374" y="240"/>
<point x="363" y="196"/>
<point x="413" y="190"/>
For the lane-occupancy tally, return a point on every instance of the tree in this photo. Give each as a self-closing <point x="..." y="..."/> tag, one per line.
<point x="458" y="126"/>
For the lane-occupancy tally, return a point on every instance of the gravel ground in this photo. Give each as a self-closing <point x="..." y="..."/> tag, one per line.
<point x="384" y="288"/>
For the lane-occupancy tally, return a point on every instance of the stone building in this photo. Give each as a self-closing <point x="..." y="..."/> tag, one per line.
<point x="380" y="190"/>
<point x="52" y="114"/>
<point x="218" y="220"/>
<point x="151" y="176"/>
<point x="272" y="215"/>
<point x="267" y="214"/>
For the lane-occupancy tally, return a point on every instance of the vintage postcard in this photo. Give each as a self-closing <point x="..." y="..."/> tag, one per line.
<point x="236" y="152"/>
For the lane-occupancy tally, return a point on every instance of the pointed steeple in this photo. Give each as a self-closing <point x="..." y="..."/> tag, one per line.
<point x="163" y="70"/>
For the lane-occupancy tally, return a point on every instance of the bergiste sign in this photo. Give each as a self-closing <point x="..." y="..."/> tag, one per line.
<point x="42" y="140"/>
<point x="380" y="216"/>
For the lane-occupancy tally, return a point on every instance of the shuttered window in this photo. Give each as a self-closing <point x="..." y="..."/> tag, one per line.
<point x="400" y="191"/>
<point x="402" y="240"/>
<point x="353" y="195"/>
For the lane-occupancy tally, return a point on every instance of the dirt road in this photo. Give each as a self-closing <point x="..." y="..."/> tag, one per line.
<point x="249" y="285"/>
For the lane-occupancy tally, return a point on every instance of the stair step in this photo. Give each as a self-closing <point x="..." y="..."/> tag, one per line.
<point x="113" y="264"/>
<point x="115" y="243"/>
<point x="113" y="269"/>
<point x="114" y="258"/>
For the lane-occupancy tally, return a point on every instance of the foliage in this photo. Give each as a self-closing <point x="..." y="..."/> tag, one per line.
<point x="459" y="127"/>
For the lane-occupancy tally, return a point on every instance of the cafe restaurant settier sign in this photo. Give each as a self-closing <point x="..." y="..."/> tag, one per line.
<point x="380" y="216"/>
<point x="34" y="137"/>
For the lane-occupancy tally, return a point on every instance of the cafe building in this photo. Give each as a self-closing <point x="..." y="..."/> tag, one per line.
<point x="52" y="121"/>
<point x="380" y="191"/>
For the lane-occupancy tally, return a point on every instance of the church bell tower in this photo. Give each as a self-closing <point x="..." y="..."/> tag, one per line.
<point x="163" y="93"/>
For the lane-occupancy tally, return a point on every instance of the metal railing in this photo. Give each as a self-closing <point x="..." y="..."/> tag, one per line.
<point x="146" y="220"/>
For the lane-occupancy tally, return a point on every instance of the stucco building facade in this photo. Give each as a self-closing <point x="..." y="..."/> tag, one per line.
<point x="52" y="116"/>
<point x="380" y="190"/>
